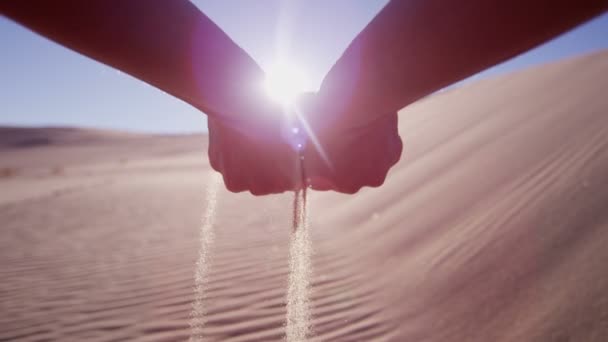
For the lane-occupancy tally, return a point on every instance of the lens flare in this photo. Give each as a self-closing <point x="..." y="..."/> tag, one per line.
<point x="284" y="82"/>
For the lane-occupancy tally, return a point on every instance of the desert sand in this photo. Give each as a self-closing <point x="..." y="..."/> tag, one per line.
<point x="492" y="227"/>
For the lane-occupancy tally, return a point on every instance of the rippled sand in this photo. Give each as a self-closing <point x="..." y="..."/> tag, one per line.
<point x="493" y="227"/>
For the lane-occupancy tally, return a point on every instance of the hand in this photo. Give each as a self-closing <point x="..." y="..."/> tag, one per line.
<point x="254" y="155"/>
<point x="347" y="158"/>
<point x="262" y="155"/>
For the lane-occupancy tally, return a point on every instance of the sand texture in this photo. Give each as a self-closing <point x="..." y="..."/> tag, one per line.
<point x="493" y="227"/>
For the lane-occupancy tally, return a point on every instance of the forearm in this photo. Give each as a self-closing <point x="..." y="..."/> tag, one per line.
<point x="169" y="44"/>
<point x="415" y="47"/>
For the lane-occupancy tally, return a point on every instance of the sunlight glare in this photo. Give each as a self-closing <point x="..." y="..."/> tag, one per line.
<point x="284" y="82"/>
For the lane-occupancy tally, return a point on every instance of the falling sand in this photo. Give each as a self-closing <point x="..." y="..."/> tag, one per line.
<point x="106" y="251"/>
<point x="298" y="303"/>
<point x="300" y="270"/>
<point x="206" y="237"/>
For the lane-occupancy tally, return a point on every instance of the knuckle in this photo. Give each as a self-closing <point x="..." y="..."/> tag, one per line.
<point x="232" y="185"/>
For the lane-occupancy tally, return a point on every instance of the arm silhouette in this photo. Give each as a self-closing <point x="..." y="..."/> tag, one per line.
<point x="415" y="47"/>
<point x="172" y="45"/>
<point x="169" y="44"/>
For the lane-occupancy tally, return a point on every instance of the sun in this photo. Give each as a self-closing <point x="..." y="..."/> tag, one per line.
<point x="284" y="82"/>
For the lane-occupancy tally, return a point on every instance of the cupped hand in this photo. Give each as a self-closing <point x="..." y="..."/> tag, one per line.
<point x="345" y="157"/>
<point x="253" y="155"/>
<point x="265" y="155"/>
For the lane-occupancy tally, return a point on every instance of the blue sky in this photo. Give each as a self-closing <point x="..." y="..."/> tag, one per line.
<point x="42" y="83"/>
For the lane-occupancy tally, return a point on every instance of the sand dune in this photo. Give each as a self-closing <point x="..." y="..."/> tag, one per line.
<point x="493" y="227"/>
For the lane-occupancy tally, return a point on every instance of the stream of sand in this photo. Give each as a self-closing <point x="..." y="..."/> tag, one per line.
<point x="298" y="326"/>
<point x="298" y="298"/>
<point x="197" y="320"/>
